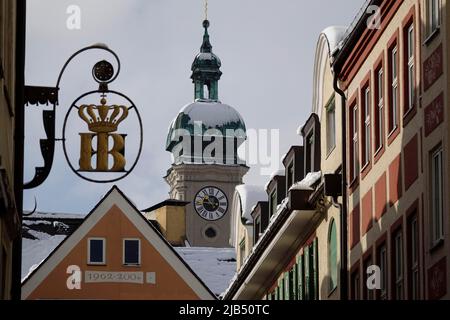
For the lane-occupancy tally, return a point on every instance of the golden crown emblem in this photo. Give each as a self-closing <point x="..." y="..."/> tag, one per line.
<point x="102" y="118"/>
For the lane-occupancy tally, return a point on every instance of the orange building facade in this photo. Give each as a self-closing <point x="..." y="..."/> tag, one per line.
<point x="115" y="254"/>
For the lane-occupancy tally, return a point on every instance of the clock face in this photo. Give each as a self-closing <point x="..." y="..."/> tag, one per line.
<point x="211" y="203"/>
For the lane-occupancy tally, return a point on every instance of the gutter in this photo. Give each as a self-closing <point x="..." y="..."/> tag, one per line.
<point x="343" y="207"/>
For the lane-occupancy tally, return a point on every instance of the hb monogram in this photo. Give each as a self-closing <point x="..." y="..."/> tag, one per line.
<point x="102" y="120"/>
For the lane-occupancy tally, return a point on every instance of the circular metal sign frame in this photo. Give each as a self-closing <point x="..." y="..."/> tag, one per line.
<point x="141" y="136"/>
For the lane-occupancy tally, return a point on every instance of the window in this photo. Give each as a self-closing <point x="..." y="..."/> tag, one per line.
<point x="379" y="101"/>
<point x="382" y="263"/>
<point x="354" y="159"/>
<point x="332" y="256"/>
<point x="96" y="251"/>
<point x="398" y="265"/>
<point x="331" y="126"/>
<point x="273" y="203"/>
<point x="433" y="16"/>
<point x="309" y="153"/>
<point x="409" y="67"/>
<point x="257" y="228"/>
<point x="437" y="196"/>
<point x="356" y="285"/>
<point x="365" y="139"/>
<point x="242" y="250"/>
<point x="290" y="175"/>
<point x="413" y="261"/>
<point x="205" y="92"/>
<point x="393" y="89"/>
<point x="131" y="252"/>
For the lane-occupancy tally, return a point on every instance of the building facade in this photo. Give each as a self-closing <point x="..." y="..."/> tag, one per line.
<point x="395" y="78"/>
<point x="12" y="39"/>
<point x="295" y="252"/>
<point x="114" y="254"/>
<point x="388" y="75"/>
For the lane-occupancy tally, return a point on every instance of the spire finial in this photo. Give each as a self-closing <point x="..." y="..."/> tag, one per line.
<point x="206" y="45"/>
<point x="206" y="9"/>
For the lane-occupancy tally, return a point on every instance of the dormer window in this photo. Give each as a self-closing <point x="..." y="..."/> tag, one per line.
<point x="273" y="203"/>
<point x="290" y="175"/>
<point x="311" y="142"/>
<point x="309" y="153"/>
<point x="257" y="228"/>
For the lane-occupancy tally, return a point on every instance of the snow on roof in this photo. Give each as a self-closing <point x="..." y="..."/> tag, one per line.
<point x="335" y="35"/>
<point x="35" y="251"/>
<point x="250" y="195"/>
<point x="55" y="215"/>
<point x="280" y="172"/>
<point x="215" y="266"/>
<point x="307" y="182"/>
<point x="211" y="113"/>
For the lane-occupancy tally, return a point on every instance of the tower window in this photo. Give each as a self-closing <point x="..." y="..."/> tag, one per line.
<point x="205" y="91"/>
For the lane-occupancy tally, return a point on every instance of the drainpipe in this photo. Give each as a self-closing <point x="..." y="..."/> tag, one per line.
<point x="343" y="207"/>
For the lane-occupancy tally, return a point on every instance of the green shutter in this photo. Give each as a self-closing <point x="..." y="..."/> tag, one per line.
<point x="269" y="296"/>
<point x="300" y="277"/>
<point x="315" y="270"/>
<point x="287" y="296"/>
<point x="295" y="282"/>
<point x="281" y="285"/>
<point x="332" y="255"/>
<point x="307" y="273"/>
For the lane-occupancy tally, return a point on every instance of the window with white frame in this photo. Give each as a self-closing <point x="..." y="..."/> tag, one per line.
<point x="398" y="264"/>
<point x="433" y="15"/>
<point x="355" y="158"/>
<point x="437" y="196"/>
<point x="366" y="118"/>
<point x="131" y="251"/>
<point x="96" y="251"/>
<point x="379" y="117"/>
<point x="393" y="59"/>
<point x="410" y="67"/>
<point x="331" y="125"/>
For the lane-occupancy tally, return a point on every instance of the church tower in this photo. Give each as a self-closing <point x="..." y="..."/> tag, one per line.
<point x="204" y="139"/>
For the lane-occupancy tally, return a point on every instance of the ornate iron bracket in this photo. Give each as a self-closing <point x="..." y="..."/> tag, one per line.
<point x="39" y="95"/>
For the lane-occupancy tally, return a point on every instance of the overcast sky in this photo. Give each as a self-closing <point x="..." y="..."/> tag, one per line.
<point x="267" y="50"/>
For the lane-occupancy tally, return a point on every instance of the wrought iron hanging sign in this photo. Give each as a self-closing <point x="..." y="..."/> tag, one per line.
<point x="93" y="135"/>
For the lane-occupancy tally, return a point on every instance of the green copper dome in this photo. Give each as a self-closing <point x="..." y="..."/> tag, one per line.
<point x="202" y="115"/>
<point x="206" y="117"/>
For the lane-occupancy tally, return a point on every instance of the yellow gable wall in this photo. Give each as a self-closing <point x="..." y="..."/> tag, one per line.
<point x="114" y="226"/>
